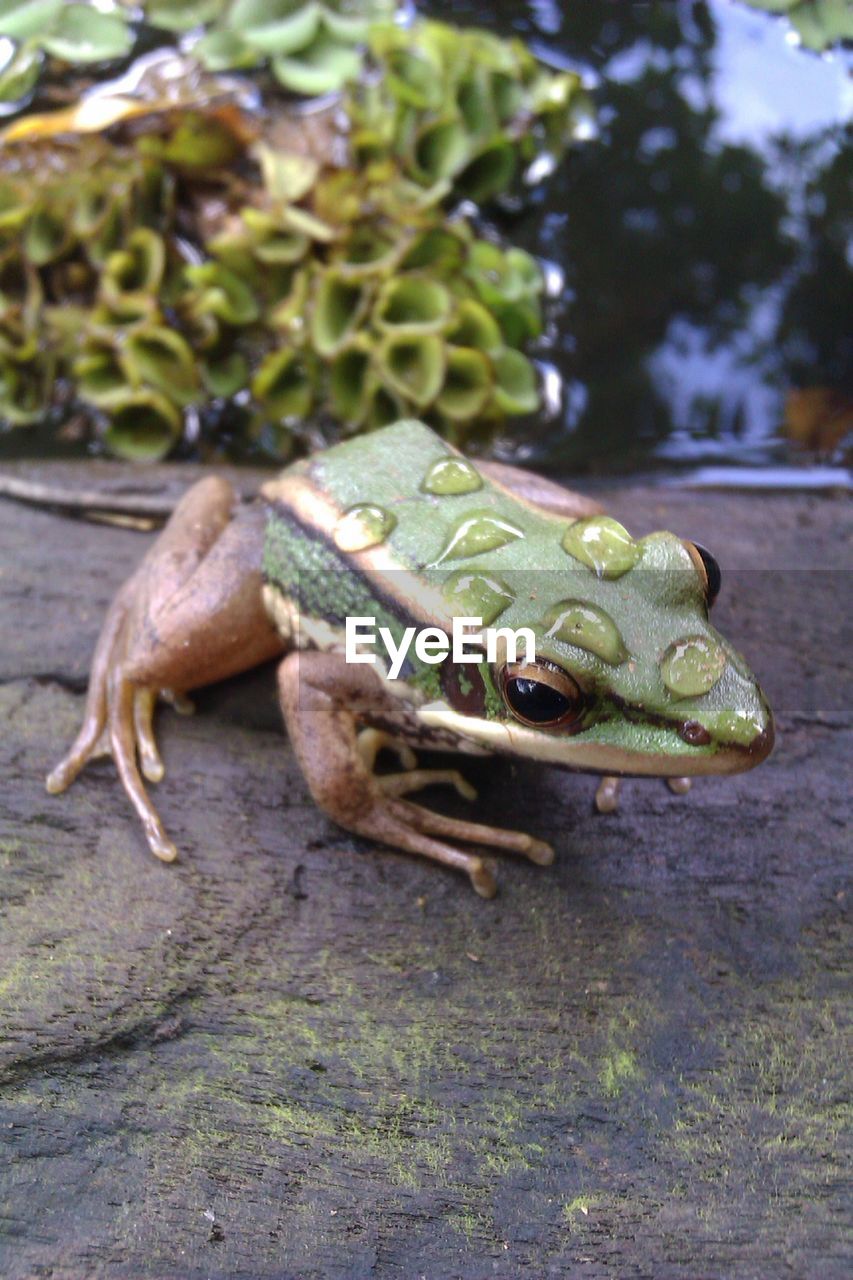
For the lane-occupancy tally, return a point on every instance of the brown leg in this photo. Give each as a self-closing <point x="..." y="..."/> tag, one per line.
<point x="323" y="700"/>
<point x="190" y="615"/>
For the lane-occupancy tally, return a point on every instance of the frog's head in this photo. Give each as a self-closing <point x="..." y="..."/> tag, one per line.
<point x="629" y="674"/>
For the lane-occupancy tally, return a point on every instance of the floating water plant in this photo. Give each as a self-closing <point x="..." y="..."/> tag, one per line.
<point x="165" y="250"/>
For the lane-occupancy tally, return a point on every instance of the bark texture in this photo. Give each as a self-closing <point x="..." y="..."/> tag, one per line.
<point x="294" y="1055"/>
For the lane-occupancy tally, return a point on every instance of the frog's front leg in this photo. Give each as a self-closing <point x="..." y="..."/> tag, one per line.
<point x="324" y="701"/>
<point x="191" y="614"/>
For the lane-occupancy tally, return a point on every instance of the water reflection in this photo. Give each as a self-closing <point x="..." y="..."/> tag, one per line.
<point x="705" y="238"/>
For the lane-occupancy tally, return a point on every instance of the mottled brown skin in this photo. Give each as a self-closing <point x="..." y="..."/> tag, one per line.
<point x="192" y="614"/>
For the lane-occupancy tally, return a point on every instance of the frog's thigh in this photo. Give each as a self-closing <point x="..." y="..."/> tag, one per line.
<point x="322" y="699"/>
<point x="212" y="624"/>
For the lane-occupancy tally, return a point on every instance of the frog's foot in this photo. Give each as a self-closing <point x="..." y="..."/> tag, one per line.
<point x="323" y="699"/>
<point x="607" y="794"/>
<point x="119" y="722"/>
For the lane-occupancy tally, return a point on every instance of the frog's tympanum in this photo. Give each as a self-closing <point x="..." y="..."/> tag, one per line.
<point x="628" y="676"/>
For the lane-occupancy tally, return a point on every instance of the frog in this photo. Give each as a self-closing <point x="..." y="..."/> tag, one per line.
<point x="627" y="676"/>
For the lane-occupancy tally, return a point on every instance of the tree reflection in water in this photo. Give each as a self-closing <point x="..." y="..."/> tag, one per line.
<point x="705" y="249"/>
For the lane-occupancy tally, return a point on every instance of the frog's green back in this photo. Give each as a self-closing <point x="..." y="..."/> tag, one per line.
<point x="407" y="528"/>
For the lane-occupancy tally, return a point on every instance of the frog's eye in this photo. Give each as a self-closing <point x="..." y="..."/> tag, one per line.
<point x="541" y="694"/>
<point x="708" y="570"/>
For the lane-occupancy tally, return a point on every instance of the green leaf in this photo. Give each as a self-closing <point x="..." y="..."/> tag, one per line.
<point x="286" y="176"/>
<point x="181" y="15"/>
<point x="440" y="151"/>
<point x="23" y="19"/>
<point x="288" y="34"/>
<point x="439" y="249"/>
<point x="368" y="252"/>
<point x="269" y="242"/>
<point x="489" y="173"/>
<point x="144" y="426"/>
<point x="83" y="34"/>
<point x="219" y="292"/>
<point x="349" y="392"/>
<point x="243" y="14"/>
<point x="139" y="266"/>
<point x="413" y="366"/>
<point x="339" y="307"/>
<point x="324" y="67"/>
<point x="517" y="387"/>
<point x="823" y="22"/>
<point x="225" y="51"/>
<point x="283" y="385"/>
<point x="21" y="73"/>
<point x="47" y="236"/>
<point x="101" y="380"/>
<point x="475" y="326"/>
<point x="161" y="358"/>
<point x="225" y="373"/>
<point x="412" y="304"/>
<point x="467" y="384"/>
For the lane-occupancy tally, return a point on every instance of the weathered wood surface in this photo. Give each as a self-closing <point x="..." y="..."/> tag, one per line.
<point x="295" y="1056"/>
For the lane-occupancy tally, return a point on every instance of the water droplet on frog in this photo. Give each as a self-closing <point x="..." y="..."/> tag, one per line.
<point x="479" y="532"/>
<point x="581" y="624"/>
<point x="477" y="595"/>
<point x="451" y="476"/>
<point x="692" y="666"/>
<point x="603" y="545"/>
<point x="363" y="526"/>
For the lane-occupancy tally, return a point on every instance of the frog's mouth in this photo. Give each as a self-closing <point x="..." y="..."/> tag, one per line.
<point x="661" y="750"/>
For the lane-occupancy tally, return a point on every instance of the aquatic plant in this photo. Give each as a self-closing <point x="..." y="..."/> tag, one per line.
<point x="164" y="253"/>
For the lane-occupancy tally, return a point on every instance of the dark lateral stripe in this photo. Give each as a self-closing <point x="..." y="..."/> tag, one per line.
<point x="364" y="584"/>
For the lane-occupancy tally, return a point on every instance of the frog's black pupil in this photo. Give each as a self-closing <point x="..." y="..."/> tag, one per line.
<point x="535" y="701"/>
<point x="712" y="569"/>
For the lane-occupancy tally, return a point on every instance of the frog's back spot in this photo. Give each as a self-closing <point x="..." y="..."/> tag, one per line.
<point x="363" y="526"/>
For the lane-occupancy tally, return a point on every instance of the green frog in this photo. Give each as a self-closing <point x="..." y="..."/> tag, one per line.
<point x="626" y="676"/>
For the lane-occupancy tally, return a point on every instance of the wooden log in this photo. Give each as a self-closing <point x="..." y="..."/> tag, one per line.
<point x="294" y="1055"/>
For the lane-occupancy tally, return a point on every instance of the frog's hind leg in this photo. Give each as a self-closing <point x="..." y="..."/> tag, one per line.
<point x="323" y="700"/>
<point x="191" y="614"/>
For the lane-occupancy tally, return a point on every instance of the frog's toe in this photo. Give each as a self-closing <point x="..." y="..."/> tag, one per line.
<point x="607" y="794"/>
<point x="679" y="786"/>
<point x="438" y="824"/>
<point x="400" y="784"/>
<point x="144" y="702"/>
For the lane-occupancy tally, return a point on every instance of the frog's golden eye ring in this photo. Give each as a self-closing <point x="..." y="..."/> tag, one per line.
<point x="707" y="568"/>
<point x="540" y="694"/>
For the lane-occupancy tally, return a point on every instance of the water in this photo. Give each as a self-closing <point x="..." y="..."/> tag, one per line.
<point x="705" y="237"/>
<point x="698" y="250"/>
